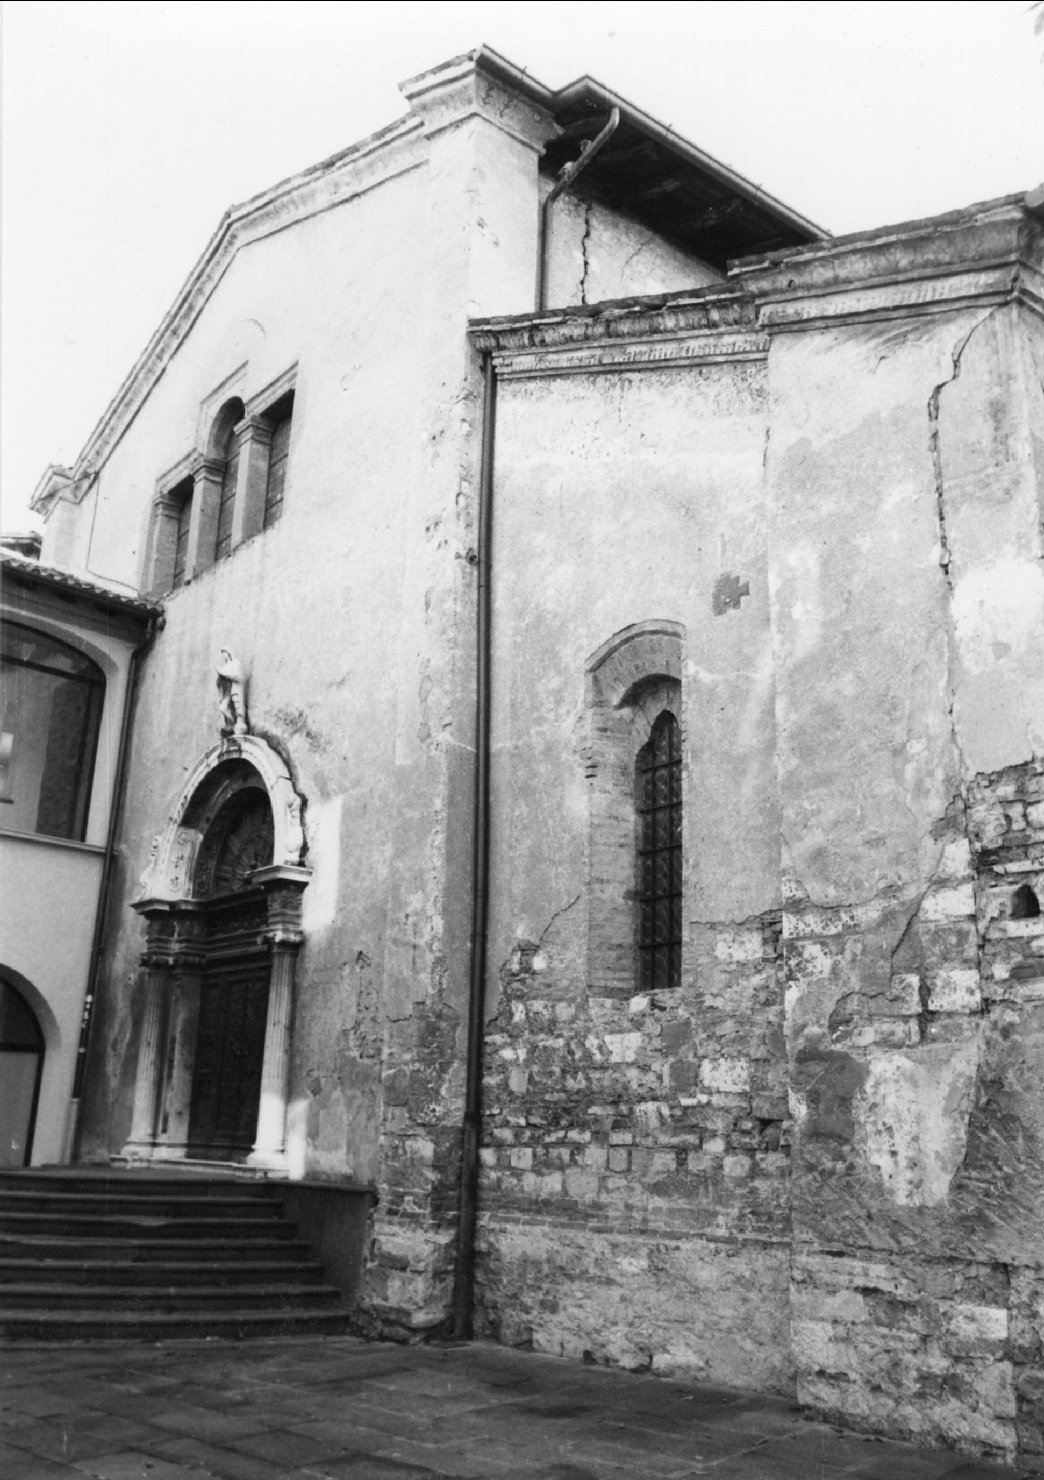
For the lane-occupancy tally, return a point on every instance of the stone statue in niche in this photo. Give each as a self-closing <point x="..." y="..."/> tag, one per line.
<point x="231" y="682"/>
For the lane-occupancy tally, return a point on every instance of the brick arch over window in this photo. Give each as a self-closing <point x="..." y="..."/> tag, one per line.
<point x="632" y="680"/>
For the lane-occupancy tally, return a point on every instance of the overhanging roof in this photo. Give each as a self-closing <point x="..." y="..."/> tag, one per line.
<point x="651" y="173"/>
<point x="18" y="571"/>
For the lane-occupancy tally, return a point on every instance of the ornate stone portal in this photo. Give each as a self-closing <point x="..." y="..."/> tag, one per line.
<point x="222" y="901"/>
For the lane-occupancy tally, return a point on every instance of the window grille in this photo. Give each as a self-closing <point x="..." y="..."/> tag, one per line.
<point x="658" y="808"/>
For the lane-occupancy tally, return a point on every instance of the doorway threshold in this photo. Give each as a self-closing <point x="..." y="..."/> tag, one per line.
<point x="199" y="1167"/>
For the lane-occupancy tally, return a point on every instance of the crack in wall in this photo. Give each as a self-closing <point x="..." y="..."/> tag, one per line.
<point x="945" y="554"/>
<point x="585" y="238"/>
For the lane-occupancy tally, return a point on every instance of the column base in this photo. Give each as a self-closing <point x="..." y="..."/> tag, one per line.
<point x="138" y="1151"/>
<point x="268" y="1161"/>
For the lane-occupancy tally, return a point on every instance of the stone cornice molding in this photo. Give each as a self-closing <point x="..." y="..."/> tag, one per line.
<point x="704" y="327"/>
<point x="983" y="256"/>
<point x="462" y="89"/>
<point x="59" y="483"/>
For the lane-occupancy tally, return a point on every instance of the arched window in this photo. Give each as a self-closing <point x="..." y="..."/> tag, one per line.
<point x="658" y="847"/>
<point x="51" y="711"/>
<point x="636" y="777"/>
<point x="21" y="1063"/>
<point x="226" y="448"/>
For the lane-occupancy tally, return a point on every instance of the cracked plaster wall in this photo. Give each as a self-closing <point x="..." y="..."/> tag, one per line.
<point x="905" y="556"/>
<point x="596" y="254"/>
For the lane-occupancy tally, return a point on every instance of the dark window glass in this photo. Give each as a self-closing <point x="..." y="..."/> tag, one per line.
<point x="50" y="712"/>
<point x="277" y="458"/>
<point x="223" y="542"/>
<point x="658" y="807"/>
<point x="183" y="493"/>
<point x="21" y="1059"/>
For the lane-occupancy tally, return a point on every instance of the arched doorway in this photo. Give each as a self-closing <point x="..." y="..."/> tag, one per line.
<point x="222" y="902"/>
<point x="233" y="996"/>
<point x="21" y="1067"/>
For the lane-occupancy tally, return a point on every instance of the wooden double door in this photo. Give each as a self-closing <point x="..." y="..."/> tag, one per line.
<point x="230" y="1050"/>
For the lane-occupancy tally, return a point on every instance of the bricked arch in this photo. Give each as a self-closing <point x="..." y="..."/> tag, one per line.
<point x="631" y="680"/>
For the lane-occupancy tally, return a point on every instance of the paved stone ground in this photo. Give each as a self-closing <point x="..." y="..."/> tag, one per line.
<point x="319" y="1409"/>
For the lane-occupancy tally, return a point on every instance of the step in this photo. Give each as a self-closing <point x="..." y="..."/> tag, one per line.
<point x="73" y="1325"/>
<point x="125" y="1204"/>
<point x="177" y="1184"/>
<point x="105" y="1301"/>
<point x="140" y="1225"/>
<point x="109" y="1272"/>
<point x="225" y="1250"/>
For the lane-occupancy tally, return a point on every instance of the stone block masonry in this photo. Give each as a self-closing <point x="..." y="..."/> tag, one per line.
<point x="917" y="1294"/>
<point x="636" y="1165"/>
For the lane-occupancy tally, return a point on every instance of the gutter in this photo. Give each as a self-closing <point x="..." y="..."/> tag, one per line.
<point x="464" y="1272"/>
<point x="98" y="940"/>
<point x="588" y="151"/>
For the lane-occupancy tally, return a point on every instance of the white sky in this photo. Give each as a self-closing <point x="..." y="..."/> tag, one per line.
<point x="129" y="127"/>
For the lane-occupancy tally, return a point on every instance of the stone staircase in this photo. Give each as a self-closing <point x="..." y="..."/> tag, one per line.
<point x="97" y="1253"/>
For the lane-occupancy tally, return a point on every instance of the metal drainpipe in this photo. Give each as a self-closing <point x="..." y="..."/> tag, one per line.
<point x="464" y="1273"/>
<point x="565" y="179"/>
<point x="105" y="890"/>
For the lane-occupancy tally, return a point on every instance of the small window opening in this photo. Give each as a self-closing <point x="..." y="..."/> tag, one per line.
<point x="227" y="501"/>
<point x="1024" y="904"/>
<point x="275" y="483"/>
<point x="183" y="498"/>
<point x="658" y="809"/>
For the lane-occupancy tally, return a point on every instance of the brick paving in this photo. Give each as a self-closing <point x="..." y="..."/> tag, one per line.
<point x="323" y="1408"/>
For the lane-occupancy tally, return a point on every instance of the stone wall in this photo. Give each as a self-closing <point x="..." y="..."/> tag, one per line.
<point x="820" y="1160"/>
<point x="635" y="1176"/>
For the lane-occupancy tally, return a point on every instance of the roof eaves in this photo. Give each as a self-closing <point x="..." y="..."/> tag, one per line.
<point x="32" y="572"/>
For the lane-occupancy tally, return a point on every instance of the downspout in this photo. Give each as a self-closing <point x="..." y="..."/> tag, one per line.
<point x="587" y="152"/>
<point x="464" y="1273"/>
<point x="105" y="888"/>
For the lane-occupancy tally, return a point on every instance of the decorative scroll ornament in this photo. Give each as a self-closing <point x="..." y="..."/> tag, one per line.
<point x="231" y="682"/>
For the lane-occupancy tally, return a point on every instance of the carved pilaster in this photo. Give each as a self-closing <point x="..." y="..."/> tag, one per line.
<point x="150" y="1058"/>
<point x="166" y="510"/>
<point x="283" y="887"/>
<point x="206" y="497"/>
<point x="254" y="436"/>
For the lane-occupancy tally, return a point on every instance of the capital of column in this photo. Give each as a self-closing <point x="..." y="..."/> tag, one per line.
<point x="253" y="429"/>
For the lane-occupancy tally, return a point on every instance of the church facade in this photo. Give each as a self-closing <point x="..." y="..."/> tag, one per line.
<point x="586" y="784"/>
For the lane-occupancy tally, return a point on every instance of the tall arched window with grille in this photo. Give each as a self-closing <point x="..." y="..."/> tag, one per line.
<point x="633" y="763"/>
<point x="658" y="818"/>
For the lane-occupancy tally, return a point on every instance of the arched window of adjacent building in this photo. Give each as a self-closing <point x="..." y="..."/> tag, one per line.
<point x="636" y="776"/>
<point x="21" y="1065"/>
<point x="225" y="446"/>
<point x="658" y="846"/>
<point x="52" y="705"/>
